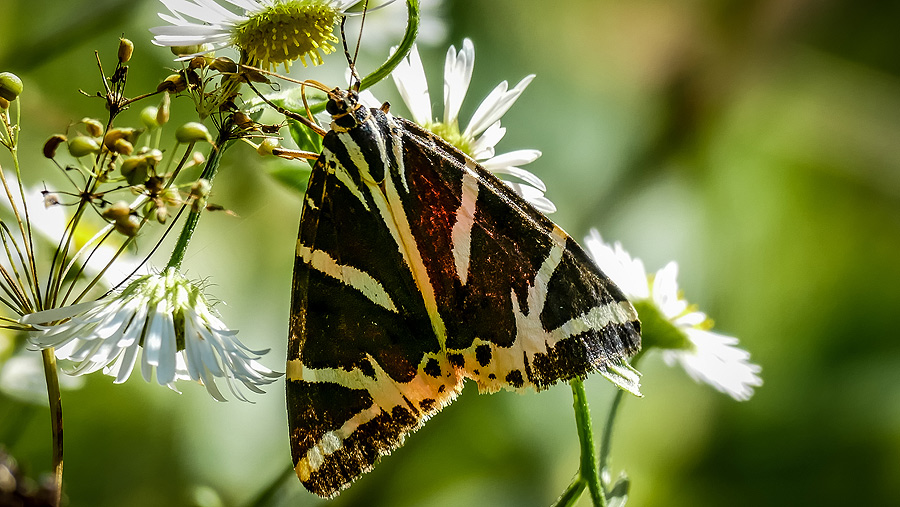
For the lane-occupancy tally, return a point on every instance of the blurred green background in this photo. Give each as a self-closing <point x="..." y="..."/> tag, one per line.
<point x="756" y="142"/>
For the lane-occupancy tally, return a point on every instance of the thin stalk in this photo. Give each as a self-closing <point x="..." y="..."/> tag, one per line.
<point x="56" y="421"/>
<point x="587" y="468"/>
<point x="209" y="172"/>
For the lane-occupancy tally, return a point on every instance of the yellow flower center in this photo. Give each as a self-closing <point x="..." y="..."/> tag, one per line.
<point x="287" y="31"/>
<point x="451" y="134"/>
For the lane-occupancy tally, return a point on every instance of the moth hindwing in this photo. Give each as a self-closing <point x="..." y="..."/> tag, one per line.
<point x="416" y="268"/>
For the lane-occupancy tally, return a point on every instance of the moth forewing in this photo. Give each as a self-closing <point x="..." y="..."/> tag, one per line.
<point x="417" y="268"/>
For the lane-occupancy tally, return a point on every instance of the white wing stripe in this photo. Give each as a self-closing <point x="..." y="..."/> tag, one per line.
<point x="359" y="280"/>
<point x="461" y="235"/>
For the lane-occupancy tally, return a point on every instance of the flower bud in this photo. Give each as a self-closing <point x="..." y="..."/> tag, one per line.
<point x="83" y="145"/>
<point x="4" y="104"/>
<point x="192" y="132"/>
<point x="191" y="50"/>
<point x="128" y="226"/>
<point x="174" y="83"/>
<point x="123" y="147"/>
<point x="165" y="105"/>
<point x="266" y="147"/>
<point x="117" y="211"/>
<point x="52" y="144"/>
<point x="126" y="48"/>
<point x="94" y="128"/>
<point x="10" y="86"/>
<point x="127" y="133"/>
<point x="136" y="170"/>
<point x="148" y="117"/>
<point x="223" y="64"/>
<point x="199" y="192"/>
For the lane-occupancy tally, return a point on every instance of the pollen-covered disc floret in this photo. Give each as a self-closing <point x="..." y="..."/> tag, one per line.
<point x="268" y="32"/>
<point x="679" y="329"/>
<point x="163" y="322"/>
<point x="483" y="131"/>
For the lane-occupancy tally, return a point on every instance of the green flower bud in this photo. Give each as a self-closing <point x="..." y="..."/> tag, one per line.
<point x="191" y="50"/>
<point x="126" y="48"/>
<point x="83" y="145"/>
<point x="135" y="170"/>
<point x="192" y="132"/>
<point x="10" y="86"/>
<point x="52" y="144"/>
<point x="148" y="117"/>
<point x="93" y="127"/>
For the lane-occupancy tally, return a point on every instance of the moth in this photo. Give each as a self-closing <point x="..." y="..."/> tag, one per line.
<point x="416" y="269"/>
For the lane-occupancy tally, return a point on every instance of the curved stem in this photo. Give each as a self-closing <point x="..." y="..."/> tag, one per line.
<point x="409" y="38"/>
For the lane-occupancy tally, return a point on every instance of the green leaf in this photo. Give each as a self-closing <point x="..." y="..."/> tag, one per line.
<point x="306" y="139"/>
<point x="293" y="176"/>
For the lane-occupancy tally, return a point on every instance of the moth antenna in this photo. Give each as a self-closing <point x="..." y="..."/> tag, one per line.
<point x="292" y="115"/>
<point x="355" y="80"/>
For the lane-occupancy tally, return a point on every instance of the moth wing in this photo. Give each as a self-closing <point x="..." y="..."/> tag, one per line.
<point x="364" y="365"/>
<point x="523" y="304"/>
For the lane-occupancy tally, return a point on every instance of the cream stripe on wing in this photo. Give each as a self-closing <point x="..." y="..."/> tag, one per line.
<point x="359" y="280"/>
<point x="461" y="234"/>
<point x="344" y="177"/>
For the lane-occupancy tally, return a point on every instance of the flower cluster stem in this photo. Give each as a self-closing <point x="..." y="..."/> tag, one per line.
<point x="56" y="423"/>
<point x="587" y="469"/>
<point x="193" y="218"/>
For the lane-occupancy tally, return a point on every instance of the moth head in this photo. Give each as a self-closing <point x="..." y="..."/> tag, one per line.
<point x="341" y="106"/>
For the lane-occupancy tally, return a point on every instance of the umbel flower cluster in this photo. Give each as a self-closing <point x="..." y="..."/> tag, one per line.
<point x="77" y="288"/>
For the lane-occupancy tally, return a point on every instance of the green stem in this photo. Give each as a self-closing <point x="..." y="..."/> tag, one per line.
<point x="56" y="423"/>
<point x="412" y="31"/>
<point x="587" y="469"/>
<point x="209" y="172"/>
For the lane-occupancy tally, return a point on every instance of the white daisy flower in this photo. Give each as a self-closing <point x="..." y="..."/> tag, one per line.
<point x="670" y="323"/>
<point x="483" y="131"/>
<point x="166" y="319"/>
<point x="268" y="32"/>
